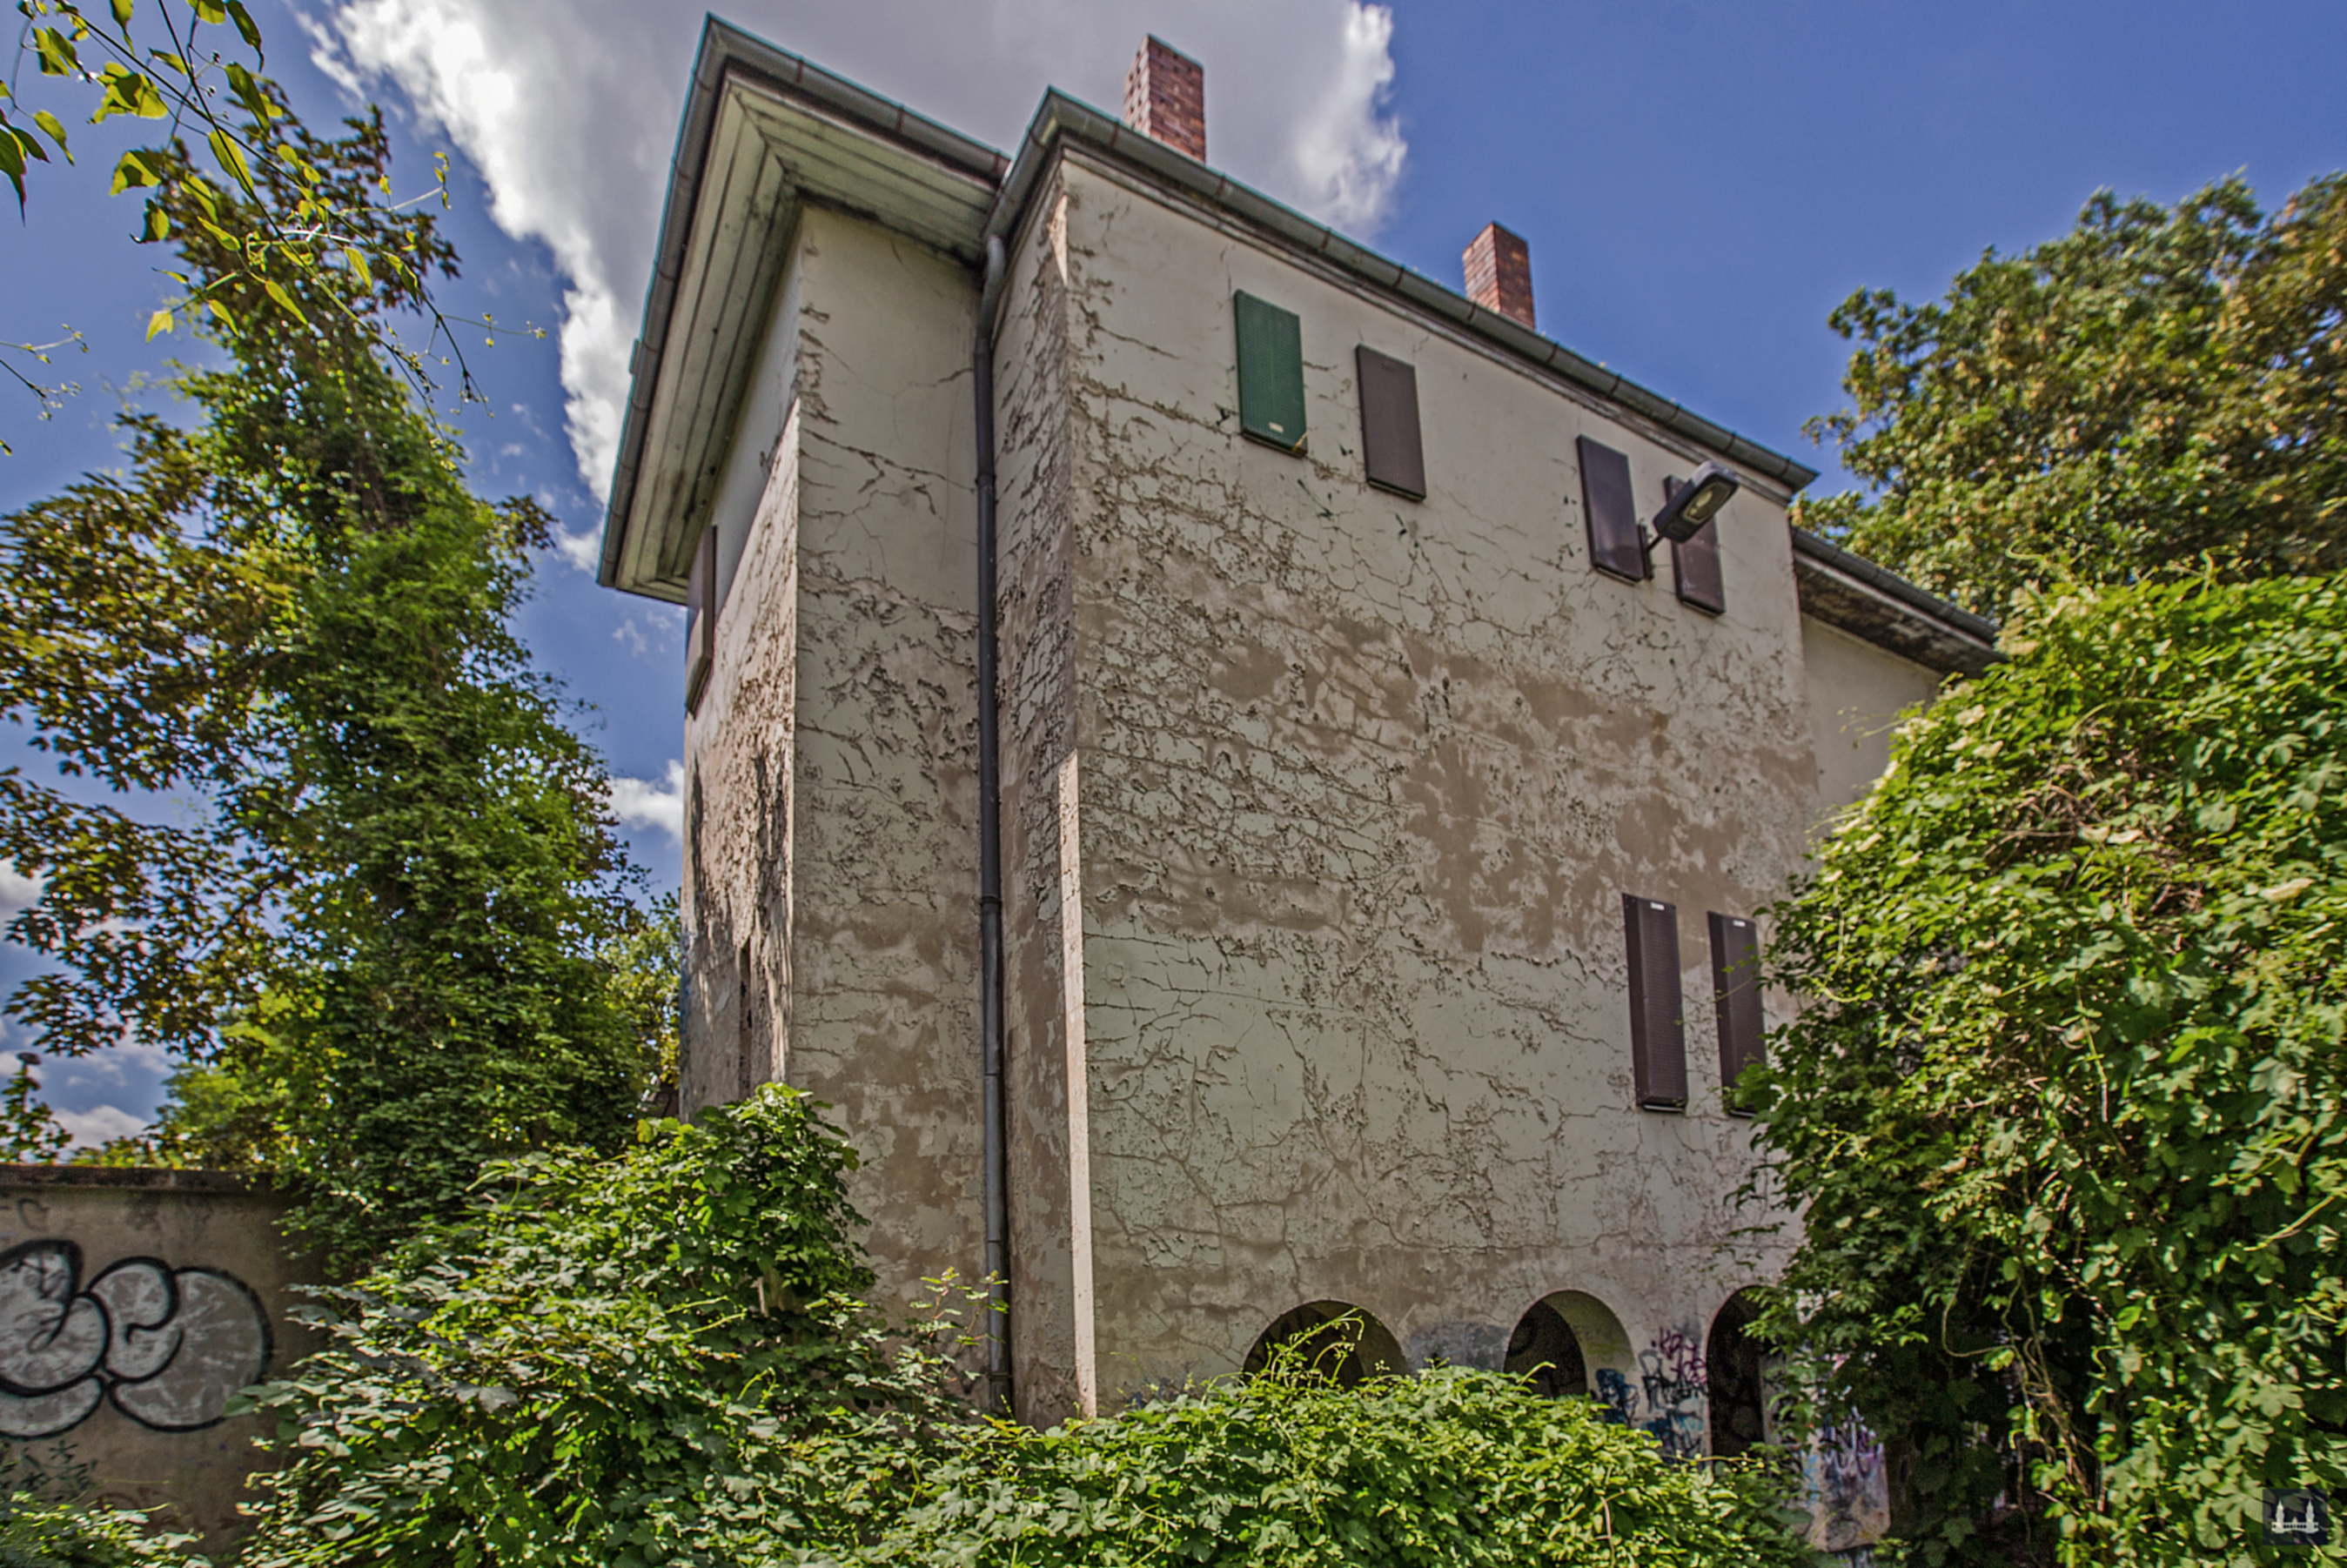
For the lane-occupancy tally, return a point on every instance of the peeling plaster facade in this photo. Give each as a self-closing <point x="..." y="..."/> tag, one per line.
<point x="1318" y="803"/>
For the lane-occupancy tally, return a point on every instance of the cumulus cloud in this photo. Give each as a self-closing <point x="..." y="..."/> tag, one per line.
<point x="100" y="1123"/>
<point x="570" y="114"/>
<point x="640" y="803"/>
<point x="18" y="891"/>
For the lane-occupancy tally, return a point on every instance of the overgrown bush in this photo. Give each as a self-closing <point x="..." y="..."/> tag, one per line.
<point x="49" y="1518"/>
<point x="653" y="1358"/>
<point x="2066" y="1112"/>
<point x="658" y="1360"/>
<point x="1451" y="1467"/>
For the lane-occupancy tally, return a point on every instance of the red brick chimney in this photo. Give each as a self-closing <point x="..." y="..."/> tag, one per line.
<point x="1500" y="274"/>
<point x="1165" y="98"/>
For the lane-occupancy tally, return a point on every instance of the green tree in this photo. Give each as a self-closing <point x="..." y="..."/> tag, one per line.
<point x="345" y="850"/>
<point x="2156" y="385"/>
<point x="2066" y="1116"/>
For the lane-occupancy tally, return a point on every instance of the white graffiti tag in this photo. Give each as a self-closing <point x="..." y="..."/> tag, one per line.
<point x="168" y="1345"/>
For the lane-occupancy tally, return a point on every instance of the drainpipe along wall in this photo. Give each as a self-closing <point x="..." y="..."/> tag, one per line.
<point x="993" y="1133"/>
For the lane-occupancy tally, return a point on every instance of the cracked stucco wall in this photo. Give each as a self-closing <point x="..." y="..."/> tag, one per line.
<point x="832" y="863"/>
<point x="1858" y="692"/>
<point x="1363" y="781"/>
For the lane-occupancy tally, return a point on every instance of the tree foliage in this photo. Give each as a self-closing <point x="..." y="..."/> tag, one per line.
<point x="2154" y="385"/>
<point x="269" y="214"/>
<point x="654" y="1359"/>
<point x="2066" y="1112"/>
<point x="321" y="827"/>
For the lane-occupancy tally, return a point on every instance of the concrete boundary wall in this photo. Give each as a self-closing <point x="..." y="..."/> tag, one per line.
<point x="134" y="1304"/>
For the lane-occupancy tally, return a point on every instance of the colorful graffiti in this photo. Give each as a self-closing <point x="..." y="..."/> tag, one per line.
<point x="1668" y="1399"/>
<point x="167" y="1346"/>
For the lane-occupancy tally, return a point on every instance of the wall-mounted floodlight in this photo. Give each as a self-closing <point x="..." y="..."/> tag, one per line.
<point x="1696" y="503"/>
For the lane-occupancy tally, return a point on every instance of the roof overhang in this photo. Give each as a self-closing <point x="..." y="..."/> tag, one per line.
<point x="1881" y="607"/>
<point x="763" y="132"/>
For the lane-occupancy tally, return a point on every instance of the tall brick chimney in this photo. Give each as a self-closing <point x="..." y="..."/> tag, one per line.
<point x="1165" y="98"/>
<point x="1500" y="274"/>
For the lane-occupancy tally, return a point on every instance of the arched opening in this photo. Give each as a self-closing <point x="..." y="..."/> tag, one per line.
<point x="1333" y="1340"/>
<point x="1570" y="1343"/>
<point x="1735" y="1363"/>
<point x="1545" y="1348"/>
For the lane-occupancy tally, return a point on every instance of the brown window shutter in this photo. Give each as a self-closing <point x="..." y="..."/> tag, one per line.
<point x="1657" y="1027"/>
<point x="701" y="617"/>
<point x="1391" y="449"/>
<point x="1694" y="563"/>
<point x="1612" y="513"/>
<point x="1735" y="986"/>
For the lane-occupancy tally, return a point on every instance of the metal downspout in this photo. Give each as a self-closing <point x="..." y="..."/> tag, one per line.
<point x="994" y="1138"/>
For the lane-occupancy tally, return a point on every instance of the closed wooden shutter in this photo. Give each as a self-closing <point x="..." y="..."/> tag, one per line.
<point x="1391" y="449"/>
<point x="1735" y="986"/>
<point x="1695" y="564"/>
<point x="1271" y="372"/>
<point x="701" y="617"/>
<point x="1657" y="1024"/>
<point x="1611" y="510"/>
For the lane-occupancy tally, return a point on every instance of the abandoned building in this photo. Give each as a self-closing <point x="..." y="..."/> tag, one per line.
<point x="1199" y="748"/>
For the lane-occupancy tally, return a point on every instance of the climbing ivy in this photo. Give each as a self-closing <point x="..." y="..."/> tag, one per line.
<point x="2065" y="1110"/>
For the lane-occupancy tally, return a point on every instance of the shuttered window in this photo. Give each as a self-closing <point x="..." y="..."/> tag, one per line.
<point x="1271" y="372"/>
<point x="1390" y="450"/>
<point x="1735" y="989"/>
<point x="1612" y="513"/>
<point x="1694" y="563"/>
<point x="699" y="618"/>
<point x="1657" y="1025"/>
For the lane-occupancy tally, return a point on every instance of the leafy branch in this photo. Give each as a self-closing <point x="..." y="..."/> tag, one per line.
<point x="266" y="199"/>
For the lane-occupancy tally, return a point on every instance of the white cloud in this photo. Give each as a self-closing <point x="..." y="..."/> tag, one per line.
<point x="582" y="550"/>
<point x="571" y="113"/>
<point x="640" y="803"/>
<point x="18" y="891"/>
<point x="96" y="1125"/>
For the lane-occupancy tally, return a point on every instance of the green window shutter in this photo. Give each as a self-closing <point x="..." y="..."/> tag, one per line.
<point x="1271" y="372"/>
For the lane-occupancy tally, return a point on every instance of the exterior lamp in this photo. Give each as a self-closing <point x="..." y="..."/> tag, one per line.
<point x="1696" y="503"/>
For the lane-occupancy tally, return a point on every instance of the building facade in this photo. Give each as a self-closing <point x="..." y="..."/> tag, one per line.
<point x="1381" y="821"/>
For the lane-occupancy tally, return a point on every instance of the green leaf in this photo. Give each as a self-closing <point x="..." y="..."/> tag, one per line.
<point x="284" y="300"/>
<point x="244" y="25"/>
<point x="231" y="158"/>
<point x="12" y="159"/>
<point x="247" y="88"/>
<point x="160" y="321"/>
<point x="58" y="56"/>
<point x="131" y="170"/>
<point x="122" y="9"/>
<point x="158" y="224"/>
<point x="211" y="11"/>
<point x="49" y="123"/>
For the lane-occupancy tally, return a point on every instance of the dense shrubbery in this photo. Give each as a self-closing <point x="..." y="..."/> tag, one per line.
<point x="1451" y="1467"/>
<point x="2066" y="1112"/>
<point x="658" y="1360"/>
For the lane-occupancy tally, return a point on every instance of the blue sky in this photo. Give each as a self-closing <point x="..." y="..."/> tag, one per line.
<point x="1701" y="181"/>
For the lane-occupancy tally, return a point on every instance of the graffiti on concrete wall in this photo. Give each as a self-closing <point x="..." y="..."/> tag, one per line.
<point x="1847" y="1492"/>
<point x="1667" y="1400"/>
<point x="167" y="1346"/>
